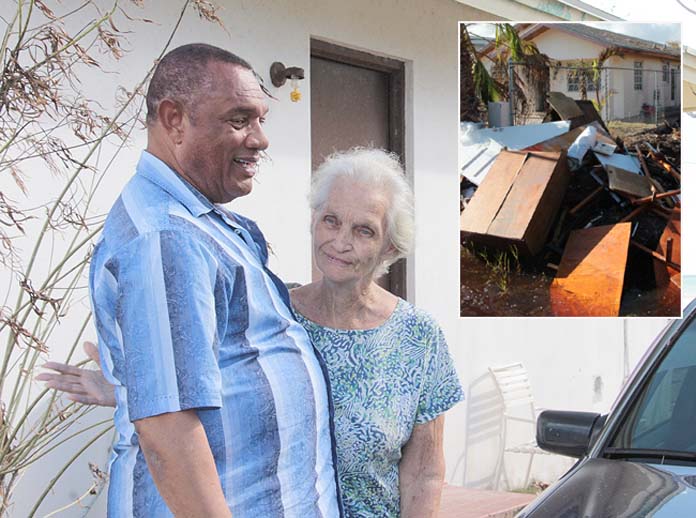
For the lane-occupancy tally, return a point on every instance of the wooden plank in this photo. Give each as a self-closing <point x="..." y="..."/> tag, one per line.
<point x="670" y="247"/>
<point x="625" y="182"/>
<point x="586" y="200"/>
<point x="646" y="171"/>
<point x="548" y="207"/>
<point x="650" y="199"/>
<point x="666" y="166"/>
<point x="564" y="106"/>
<point x="590" y="113"/>
<point x="633" y="213"/>
<point x="656" y="255"/>
<point x="517" y="201"/>
<point x="491" y="194"/>
<point x="590" y="277"/>
<point x="520" y="207"/>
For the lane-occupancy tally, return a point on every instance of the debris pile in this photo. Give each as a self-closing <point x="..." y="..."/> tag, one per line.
<point x="597" y="216"/>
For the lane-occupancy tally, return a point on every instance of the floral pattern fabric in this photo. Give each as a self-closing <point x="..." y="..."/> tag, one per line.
<point x="383" y="382"/>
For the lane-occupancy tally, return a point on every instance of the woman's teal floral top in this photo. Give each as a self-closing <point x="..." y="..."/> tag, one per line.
<point x="383" y="381"/>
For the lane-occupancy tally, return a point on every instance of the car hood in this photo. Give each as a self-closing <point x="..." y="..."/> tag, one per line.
<point x="605" y="488"/>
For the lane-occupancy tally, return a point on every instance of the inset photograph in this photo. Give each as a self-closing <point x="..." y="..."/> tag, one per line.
<point x="569" y="159"/>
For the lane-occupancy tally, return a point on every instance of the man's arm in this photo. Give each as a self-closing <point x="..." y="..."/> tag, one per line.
<point x="179" y="458"/>
<point x="422" y="470"/>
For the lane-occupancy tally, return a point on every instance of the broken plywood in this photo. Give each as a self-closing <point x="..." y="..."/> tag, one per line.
<point x="627" y="183"/>
<point x="564" y="106"/>
<point x="517" y="201"/>
<point x="669" y="247"/>
<point x="578" y="112"/>
<point x="491" y="194"/>
<point x="590" y="277"/>
<point x="590" y="113"/>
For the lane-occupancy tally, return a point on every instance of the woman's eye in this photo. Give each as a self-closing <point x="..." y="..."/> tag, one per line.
<point x="366" y="232"/>
<point x="331" y="220"/>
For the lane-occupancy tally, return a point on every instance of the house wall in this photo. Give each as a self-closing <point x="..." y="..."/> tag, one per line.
<point x="627" y="101"/>
<point x="573" y="364"/>
<point x="562" y="45"/>
<point x="624" y="101"/>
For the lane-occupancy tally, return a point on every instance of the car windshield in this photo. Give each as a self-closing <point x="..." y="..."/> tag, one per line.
<point x="662" y="419"/>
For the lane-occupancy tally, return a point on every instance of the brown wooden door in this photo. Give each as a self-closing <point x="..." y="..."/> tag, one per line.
<point x="357" y="100"/>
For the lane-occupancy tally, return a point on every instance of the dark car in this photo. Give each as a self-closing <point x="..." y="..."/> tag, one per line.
<point x="640" y="459"/>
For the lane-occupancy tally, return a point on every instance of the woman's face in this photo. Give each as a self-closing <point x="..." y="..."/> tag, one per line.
<point x="349" y="232"/>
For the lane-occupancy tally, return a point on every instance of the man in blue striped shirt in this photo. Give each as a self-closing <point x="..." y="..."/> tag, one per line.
<point x="222" y="403"/>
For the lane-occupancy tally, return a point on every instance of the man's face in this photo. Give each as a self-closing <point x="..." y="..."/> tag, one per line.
<point x="223" y="135"/>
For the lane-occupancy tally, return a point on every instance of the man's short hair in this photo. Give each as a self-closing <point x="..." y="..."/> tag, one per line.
<point x="183" y="73"/>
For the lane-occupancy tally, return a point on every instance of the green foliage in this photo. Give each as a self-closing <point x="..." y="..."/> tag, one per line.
<point x="487" y="88"/>
<point x="501" y="264"/>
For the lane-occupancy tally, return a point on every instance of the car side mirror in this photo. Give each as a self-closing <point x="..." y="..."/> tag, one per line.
<point x="568" y="433"/>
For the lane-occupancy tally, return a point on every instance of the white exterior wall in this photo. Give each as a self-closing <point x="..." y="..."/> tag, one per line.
<point x="564" y="46"/>
<point x="624" y="101"/>
<point x="627" y="100"/>
<point x="573" y="364"/>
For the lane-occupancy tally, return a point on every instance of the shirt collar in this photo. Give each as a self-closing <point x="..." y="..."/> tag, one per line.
<point x="159" y="173"/>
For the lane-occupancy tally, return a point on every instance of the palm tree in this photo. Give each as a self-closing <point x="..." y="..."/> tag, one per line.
<point x="477" y="87"/>
<point x="477" y="83"/>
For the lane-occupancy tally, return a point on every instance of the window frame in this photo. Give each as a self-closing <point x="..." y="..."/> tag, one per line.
<point x="638" y="76"/>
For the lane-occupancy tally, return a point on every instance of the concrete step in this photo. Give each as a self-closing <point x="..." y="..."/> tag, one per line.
<point x="462" y="502"/>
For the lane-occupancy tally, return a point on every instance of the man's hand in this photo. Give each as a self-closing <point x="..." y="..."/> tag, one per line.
<point x="179" y="458"/>
<point x="85" y="386"/>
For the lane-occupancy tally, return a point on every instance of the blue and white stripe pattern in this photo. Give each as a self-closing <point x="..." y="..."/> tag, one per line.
<point x="188" y="316"/>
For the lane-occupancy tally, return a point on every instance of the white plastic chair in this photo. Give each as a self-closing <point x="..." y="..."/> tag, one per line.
<point x="512" y="384"/>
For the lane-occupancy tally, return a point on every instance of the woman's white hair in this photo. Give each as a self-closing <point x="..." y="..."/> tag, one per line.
<point x="381" y="171"/>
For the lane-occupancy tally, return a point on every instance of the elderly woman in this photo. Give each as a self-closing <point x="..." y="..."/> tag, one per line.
<point x="390" y="372"/>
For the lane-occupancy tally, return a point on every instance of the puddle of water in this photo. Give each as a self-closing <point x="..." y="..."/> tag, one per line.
<point x="487" y="291"/>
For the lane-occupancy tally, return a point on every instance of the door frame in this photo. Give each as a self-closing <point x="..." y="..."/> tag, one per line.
<point x="396" y="73"/>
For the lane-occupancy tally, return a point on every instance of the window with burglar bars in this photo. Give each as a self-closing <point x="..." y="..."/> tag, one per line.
<point x="637" y="75"/>
<point x="665" y="72"/>
<point x="672" y="87"/>
<point x="576" y="77"/>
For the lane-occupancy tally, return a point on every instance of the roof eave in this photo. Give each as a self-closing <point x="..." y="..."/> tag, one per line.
<point x="551" y="10"/>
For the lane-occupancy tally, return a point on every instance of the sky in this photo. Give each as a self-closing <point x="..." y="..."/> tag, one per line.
<point x="660" y="25"/>
<point x="647" y="11"/>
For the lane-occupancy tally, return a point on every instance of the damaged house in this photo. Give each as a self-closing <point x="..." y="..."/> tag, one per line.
<point x="638" y="78"/>
<point x="573" y="216"/>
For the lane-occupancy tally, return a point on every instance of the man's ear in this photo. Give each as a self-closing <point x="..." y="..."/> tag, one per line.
<point x="171" y="117"/>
